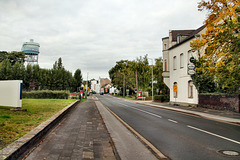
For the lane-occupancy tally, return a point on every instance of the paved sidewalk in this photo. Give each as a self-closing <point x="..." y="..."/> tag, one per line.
<point x="223" y="116"/>
<point x="82" y="135"/>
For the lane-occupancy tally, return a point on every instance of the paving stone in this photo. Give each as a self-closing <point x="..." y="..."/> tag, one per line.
<point x="81" y="136"/>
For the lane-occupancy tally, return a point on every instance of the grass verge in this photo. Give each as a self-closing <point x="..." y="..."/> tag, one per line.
<point x="14" y="125"/>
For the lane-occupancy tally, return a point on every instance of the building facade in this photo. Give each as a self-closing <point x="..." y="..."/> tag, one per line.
<point x="176" y="55"/>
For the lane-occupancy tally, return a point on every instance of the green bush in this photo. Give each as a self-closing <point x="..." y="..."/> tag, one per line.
<point x="162" y="98"/>
<point x="46" y="94"/>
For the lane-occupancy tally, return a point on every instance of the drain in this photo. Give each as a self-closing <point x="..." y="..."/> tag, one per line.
<point x="229" y="153"/>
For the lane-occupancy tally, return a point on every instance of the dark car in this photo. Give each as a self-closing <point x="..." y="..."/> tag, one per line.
<point x="101" y="93"/>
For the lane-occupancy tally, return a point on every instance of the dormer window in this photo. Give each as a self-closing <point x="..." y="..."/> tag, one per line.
<point x="178" y="38"/>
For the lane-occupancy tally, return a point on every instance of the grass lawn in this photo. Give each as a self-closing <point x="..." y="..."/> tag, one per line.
<point x="14" y="125"/>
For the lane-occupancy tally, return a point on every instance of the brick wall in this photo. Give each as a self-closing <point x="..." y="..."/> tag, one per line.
<point x="220" y="102"/>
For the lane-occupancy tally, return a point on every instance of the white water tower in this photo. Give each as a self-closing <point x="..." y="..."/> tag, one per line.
<point x="31" y="50"/>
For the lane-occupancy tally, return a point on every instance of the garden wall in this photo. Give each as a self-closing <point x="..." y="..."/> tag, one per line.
<point x="220" y="102"/>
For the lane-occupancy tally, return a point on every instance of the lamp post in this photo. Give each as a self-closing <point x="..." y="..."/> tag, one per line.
<point x="152" y="78"/>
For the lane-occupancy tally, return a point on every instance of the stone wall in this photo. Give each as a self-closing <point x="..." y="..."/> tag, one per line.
<point x="220" y="102"/>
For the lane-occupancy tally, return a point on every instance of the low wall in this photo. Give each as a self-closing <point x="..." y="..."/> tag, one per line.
<point x="220" y="102"/>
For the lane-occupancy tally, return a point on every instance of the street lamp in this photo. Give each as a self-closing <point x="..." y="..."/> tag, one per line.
<point x="152" y="78"/>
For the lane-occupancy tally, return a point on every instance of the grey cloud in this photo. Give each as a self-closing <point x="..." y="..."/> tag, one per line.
<point x="92" y="35"/>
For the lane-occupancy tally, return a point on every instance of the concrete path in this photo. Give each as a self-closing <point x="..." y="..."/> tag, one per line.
<point x="82" y="135"/>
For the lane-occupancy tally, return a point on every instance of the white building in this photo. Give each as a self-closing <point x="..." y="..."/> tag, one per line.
<point x="95" y="86"/>
<point x="176" y="55"/>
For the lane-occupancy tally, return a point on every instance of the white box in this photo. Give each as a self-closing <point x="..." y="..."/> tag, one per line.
<point x="11" y="93"/>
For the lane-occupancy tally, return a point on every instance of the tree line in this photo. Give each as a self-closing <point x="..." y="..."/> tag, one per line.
<point x="58" y="78"/>
<point x="137" y="75"/>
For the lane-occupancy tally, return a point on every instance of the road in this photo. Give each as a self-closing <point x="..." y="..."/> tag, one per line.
<point x="177" y="135"/>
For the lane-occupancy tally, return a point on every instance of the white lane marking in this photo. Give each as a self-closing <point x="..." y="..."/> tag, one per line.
<point x="143" y="111"/>
<point x="172" y="121"/>
<point x="213" y="134"/>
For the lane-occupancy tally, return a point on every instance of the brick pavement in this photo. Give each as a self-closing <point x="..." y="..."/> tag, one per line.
<point x="82" y="135"/>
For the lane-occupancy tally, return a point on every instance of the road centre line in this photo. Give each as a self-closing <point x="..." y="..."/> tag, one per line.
<point x="143" y="111"/>
<point x="172" y="121"/>
<point x="213" y="134"/>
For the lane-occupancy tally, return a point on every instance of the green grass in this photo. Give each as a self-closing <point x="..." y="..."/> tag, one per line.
<point x="14" y="125"/>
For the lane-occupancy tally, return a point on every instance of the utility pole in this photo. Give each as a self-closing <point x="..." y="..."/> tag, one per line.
<point x="152" y="78"/>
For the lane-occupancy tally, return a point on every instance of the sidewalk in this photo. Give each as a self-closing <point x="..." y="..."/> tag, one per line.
<point x="222" y="116"/>
<point x="81" y="135"/>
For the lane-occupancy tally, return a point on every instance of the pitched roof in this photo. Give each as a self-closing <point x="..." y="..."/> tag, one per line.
<point x="175" y="33"/>
<point x="191" y="35"/>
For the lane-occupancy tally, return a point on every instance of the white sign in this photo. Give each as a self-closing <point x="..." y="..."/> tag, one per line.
<point x="191" y="72"/>
<point x="11" y="93"/>
<point x="191" y="66"/>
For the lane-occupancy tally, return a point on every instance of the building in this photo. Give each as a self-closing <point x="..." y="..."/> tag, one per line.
<point x="31" y="50"/>
<point x="176" y="55"/>
<point x="95" y="86"/>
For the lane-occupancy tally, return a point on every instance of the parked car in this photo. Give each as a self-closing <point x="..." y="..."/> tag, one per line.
<point x="101" y="93"/>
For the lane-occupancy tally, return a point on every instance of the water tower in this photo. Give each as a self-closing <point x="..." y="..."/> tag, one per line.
<point x="31" y="50"/>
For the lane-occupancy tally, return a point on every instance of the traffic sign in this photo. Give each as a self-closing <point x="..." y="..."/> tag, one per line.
<point x="191" y="66"/>
<point x="191" y="72"/>
<point x="174" y="88"/>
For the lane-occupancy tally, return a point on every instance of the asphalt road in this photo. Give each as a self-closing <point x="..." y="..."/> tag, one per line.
<point x="177" y="135"/>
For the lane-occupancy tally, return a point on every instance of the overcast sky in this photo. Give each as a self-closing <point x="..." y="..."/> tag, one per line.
<point x="93" y="34"/>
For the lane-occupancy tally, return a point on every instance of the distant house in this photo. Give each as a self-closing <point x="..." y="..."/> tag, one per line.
<point x="95" y="86"/>
<point x="104" y="82"/>
<point x="176" y="55"/>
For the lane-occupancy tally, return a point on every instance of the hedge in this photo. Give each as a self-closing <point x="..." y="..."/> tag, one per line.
<point x="46" y="94"/>
<point x="162" y="98"/>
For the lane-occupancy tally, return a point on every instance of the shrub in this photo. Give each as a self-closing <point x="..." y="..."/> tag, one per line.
<point x="162" y="98"/>
<point x="46" y="94"/>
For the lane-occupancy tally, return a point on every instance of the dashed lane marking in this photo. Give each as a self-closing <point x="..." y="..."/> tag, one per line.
<point x="144" y="111"/>
<point x="172" y="121"/>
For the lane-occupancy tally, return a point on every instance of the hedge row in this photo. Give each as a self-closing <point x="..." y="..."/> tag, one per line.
<point x="46" y="94"/>
<point x="162" y="98"/>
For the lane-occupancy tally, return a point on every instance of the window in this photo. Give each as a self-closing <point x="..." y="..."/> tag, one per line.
<point x="165" y="65"/>
<point x="174" y="63"/>
<point x="189" y="55"/>
<point x="190" y="89"/>
<point x="175" y="89"/>
<point x="165" y="46"/>
<point x="181" y="61"/>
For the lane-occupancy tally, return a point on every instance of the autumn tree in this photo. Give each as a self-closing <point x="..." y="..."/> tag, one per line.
<point x="221" y="41"/>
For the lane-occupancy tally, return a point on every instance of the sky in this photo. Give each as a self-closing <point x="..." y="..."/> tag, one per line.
<point x="92" y="35"/>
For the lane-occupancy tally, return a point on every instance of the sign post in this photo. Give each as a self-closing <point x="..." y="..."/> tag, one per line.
<point x="175" y="90"/>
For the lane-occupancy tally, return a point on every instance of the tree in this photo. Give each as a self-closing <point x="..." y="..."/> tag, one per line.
<point x="18" y="71"/>
<point x="221" y="59"/>
<point x="12" y="56"/>
<point x="157" y="73"/>
<point x="6" y="70"/>
<point x="78" y="77"/>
